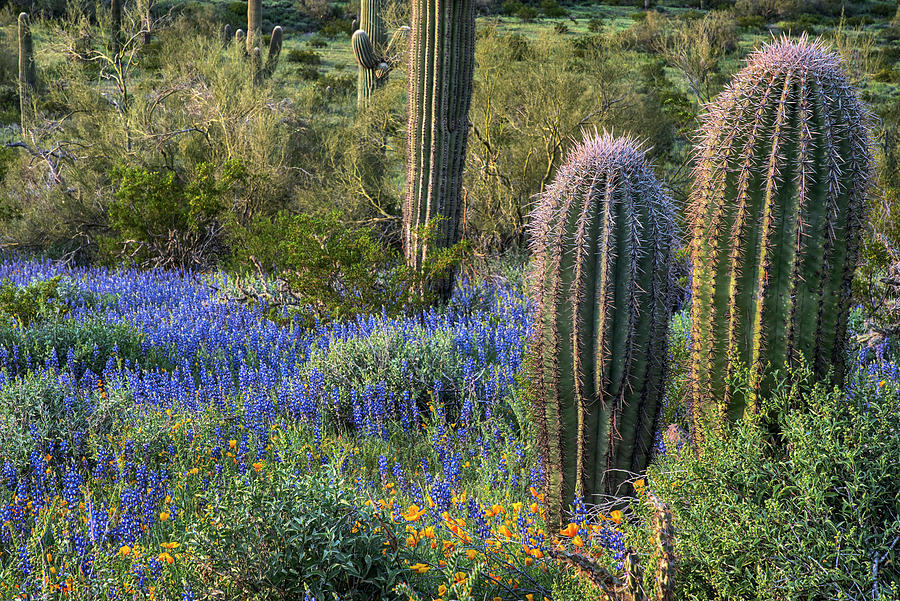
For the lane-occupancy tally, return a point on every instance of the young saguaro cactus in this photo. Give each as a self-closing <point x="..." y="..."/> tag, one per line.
<point x="27" y="72"/>
<point x="254" y="24"/>
<point x="781" y="177"/>
<point x="602" y="238"/>
<point x="442" y="60"/>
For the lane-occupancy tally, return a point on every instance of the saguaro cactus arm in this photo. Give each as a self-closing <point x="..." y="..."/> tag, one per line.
<point x="363" y="50"/>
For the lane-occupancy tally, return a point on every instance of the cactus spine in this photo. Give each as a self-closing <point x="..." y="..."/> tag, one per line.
<point x="781" y="177"/>
<point x="442" y="58"/>
<point x="367" y="41"/>
<point x="254" y="24"/>
<point x="602" y="237"/>
<point x="27" y="73"/>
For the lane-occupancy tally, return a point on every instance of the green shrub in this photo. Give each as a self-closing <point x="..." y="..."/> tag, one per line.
<point x="336" y="26"/>
<point x="527" y="14"/>
<point x="317" y="41"/>
<point x="304" y="56"/>
<point x="92" y="343"/>
<point x="750" y="22"/>
<point x="159" y="219"/>
<point x="553" y="10"/>
<point x="292" y="534"/>
<point x="308" y="73"/>
<point x="38" y="301"/>
<point x="510" y="7"/>
<point x="41" y="410"/>
<point x="595" y="25"/>
<point x="812" y="512"/>
<point x="560" y="28"/>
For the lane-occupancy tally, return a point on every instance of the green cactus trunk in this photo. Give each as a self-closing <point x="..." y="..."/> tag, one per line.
<point x="115" y="25"/>
<point x="254" y="25"/>
<point x="27" y="72"/>
<point x="368" y="42"/>
<point x="442" y="59"/>
<point x="781" y="179"/>
<point x="275" y="44"/>
<point x="602" y="237"/>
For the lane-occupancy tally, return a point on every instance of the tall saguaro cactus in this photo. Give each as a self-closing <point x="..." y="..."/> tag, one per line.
<point x="367" y="41"/>
<point x="602" y="237"/>
<point x="254" y="24"/>
<point x="442" y="59"/>
<point x="27" y="72"/>
<point x="781" y="177"/>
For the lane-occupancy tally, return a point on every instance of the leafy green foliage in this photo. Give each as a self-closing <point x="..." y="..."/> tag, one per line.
<point x="37" y="301"/>
<point x="334" y="270"/>
<point x="289" y="535"/>
<point x="813" y="512"/>
<point x="161" y="219"/>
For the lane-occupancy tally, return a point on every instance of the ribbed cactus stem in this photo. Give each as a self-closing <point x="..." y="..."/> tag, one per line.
<point x="781" y="178"/>
<point x="602" y="237"/>
<point x="368" y="42"/>
<point x="27" y="72"/>
<point x="254" y="24"/>
<point x="239" y="39"/>
<point x="275" y="44"/>
<point x="115" y="25"/>
<point x="226" y="35"/>
<point x="442" y="58"/>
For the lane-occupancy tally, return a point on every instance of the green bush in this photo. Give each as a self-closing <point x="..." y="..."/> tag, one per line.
<point x="553" y="10"/>
<point x="810" y="512"/>
<point x="38" y="301"/>
<point x="527" y="14"/>
<point x="92" y="343"/>
<point x="595" y="25"/>
<point x="317" y="41"/>
<point x="304" y="56"/>
<point x="159" y="219"/>
<point x="337" y="26"/>
<point x="41" y="410"/>
<point x="291" y="535"/>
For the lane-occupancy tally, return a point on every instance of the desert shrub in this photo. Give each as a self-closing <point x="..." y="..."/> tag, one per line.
<point x="750" y="21"/>
<point x="303" y="56"/>
<point x="560" y="28"/>
<point x="552" y="9"/>
<point x="392" y="362"/>
<point x="38" y="301"/>
<point x="334" y="271"/>
<point x="83" y="344"/>
<point x="317" y="41"/>
<point x="337" y="26"/>
<point x="526" y="13"/>
<point x="809" y="512"/>
<point x="595" y="25"/>
<point x="161" y="219"/>
<point x="41" y="410"/>
<point x="291" y="536"/>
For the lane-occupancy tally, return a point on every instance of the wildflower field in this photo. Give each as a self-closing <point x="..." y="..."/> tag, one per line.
<point x="150" y="431"/>
<point x="160" y="442"/>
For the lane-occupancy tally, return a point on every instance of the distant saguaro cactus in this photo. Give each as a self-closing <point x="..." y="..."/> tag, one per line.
<point x="226" y="35"/>
<point x="274" y="51"/>
<point x="27" y="72"/>
<point x="115" y="25"/>
<point x="442" y="58"/>
<point x="367" y="41"/>
<point x="239" y="39"/>
<point x="254" y="24"/>
<point x="782" y="173"/>
<point x="602" y="239"/>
